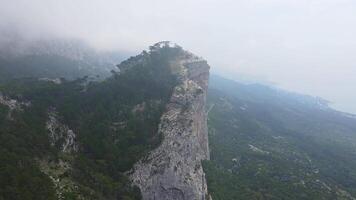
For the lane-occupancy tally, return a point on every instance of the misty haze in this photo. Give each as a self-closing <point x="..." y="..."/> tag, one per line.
<point x="185" y="100"/>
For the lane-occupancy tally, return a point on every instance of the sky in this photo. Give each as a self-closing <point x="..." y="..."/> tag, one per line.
<point x="305" y="46"/>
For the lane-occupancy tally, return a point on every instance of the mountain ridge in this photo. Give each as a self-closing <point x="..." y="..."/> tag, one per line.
<point x="174" y="170"/>
<point x="80" y="137"/>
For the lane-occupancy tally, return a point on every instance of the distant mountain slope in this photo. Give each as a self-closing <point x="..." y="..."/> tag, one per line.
<point x="54" y="58"/>
<point x="271" y="144"/>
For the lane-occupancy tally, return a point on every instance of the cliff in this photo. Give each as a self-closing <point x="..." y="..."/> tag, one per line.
<point x="174" y="169"/>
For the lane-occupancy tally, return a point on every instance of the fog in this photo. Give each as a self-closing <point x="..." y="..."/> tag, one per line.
<point x="306" y="46"/>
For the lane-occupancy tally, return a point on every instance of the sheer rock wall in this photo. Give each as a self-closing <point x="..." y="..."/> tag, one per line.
<point x="173" y="171"/>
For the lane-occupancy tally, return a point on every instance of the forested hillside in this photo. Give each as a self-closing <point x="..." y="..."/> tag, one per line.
<point x="270" y="144"/>
<point x="77" y="139"/>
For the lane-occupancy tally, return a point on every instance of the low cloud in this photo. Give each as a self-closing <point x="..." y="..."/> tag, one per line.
<point x="306" y="46"/>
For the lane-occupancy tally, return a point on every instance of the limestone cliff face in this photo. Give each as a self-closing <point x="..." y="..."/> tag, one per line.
<point x="173" y="171"/>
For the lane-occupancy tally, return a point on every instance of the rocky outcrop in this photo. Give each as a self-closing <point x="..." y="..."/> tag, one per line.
<point x="60" y="135"/>
<point x="12" y="104"/>
<point x="173" y="171"/>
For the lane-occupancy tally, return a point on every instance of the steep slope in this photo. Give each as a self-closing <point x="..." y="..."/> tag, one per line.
<point x="272" y="144"/>
<point x="174" y="170"/>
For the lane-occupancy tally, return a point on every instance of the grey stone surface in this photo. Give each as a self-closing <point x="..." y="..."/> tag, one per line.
<point x="60" y="134"/>
<point x="173" y="171"/>
<point x="12" y="104"/>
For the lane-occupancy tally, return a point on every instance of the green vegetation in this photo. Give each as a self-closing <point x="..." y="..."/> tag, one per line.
<point x="270" y="144"/>
<point x="20" y="139"/>
<point x="115" y="121"/>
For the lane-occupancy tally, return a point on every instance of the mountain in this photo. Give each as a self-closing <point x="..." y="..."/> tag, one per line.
<point x="83" y="139"/>
<point x="153" y="129"/>
<point x="54" y="58"/>
<point x="267" y="143"/>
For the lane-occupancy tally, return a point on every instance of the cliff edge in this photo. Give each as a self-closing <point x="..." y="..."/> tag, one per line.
<point x="173" y="171"/>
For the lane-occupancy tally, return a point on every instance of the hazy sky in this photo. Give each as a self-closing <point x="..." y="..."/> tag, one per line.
<point x="308" y="46"/>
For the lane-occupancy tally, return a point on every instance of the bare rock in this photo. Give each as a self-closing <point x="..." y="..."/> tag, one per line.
<point x="60" y="134"/>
